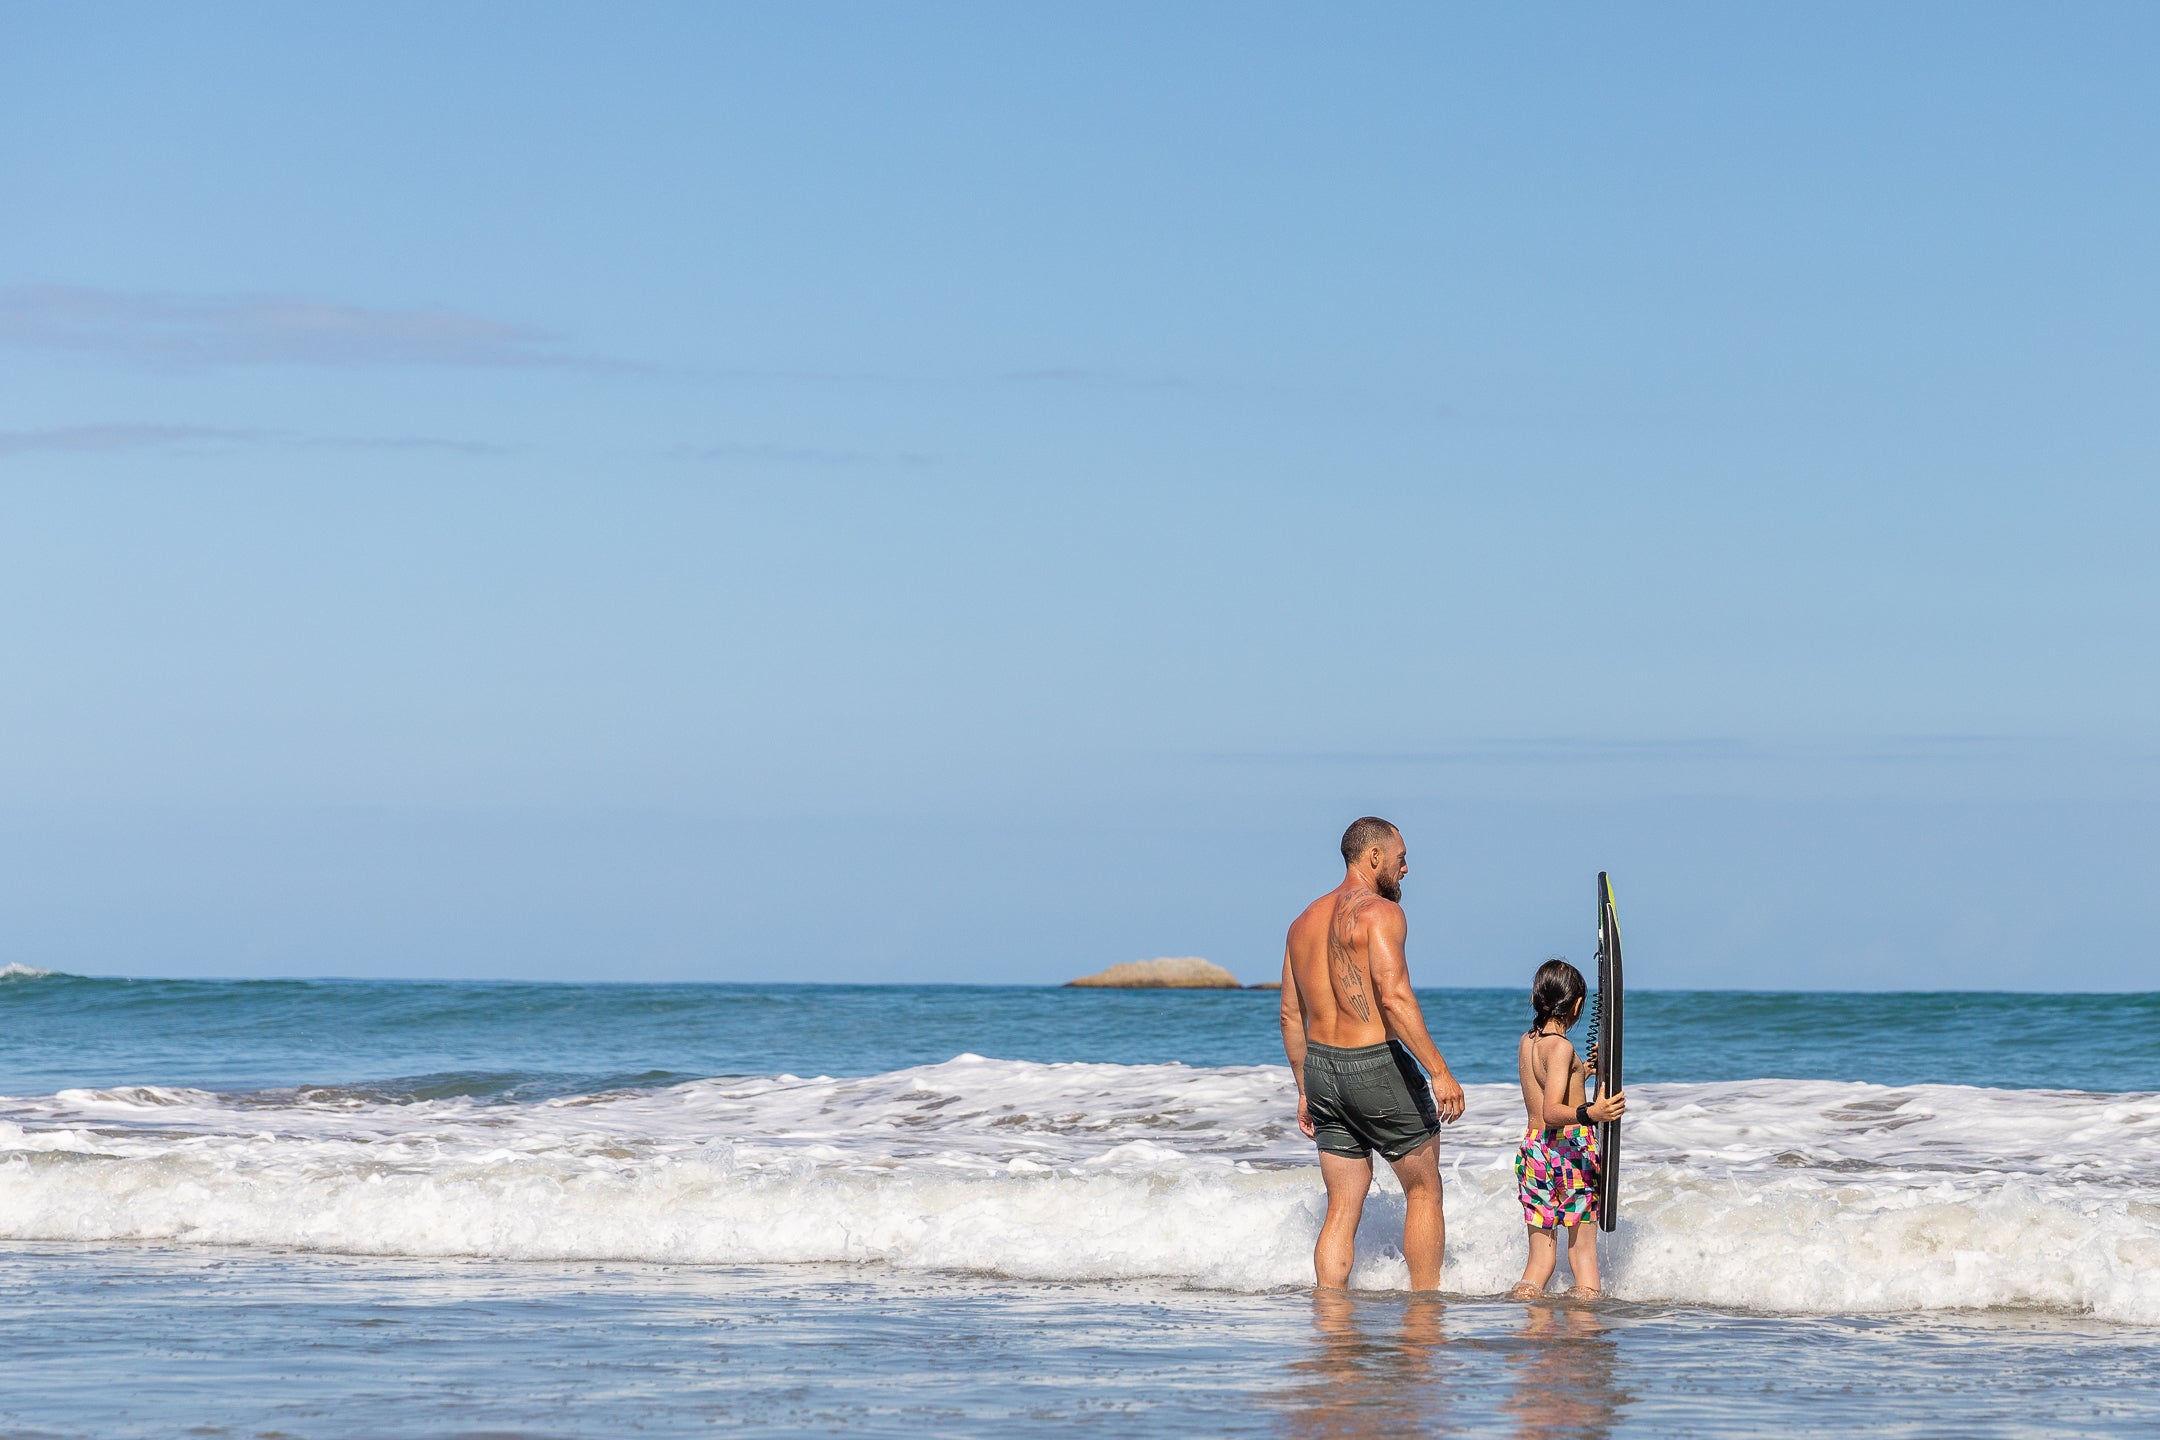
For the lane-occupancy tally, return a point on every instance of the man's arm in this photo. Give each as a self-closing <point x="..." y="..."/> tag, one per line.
<point x="1386" y="932"/>
<point x="1293" y="1039"/>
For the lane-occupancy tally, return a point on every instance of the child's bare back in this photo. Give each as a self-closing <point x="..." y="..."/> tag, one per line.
<point x="1537" y="1057"/>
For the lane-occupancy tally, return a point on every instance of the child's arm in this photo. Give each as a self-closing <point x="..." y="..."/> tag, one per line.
<point x="1559" y="1069"/>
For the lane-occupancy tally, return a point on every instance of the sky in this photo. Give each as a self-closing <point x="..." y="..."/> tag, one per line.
<point x="980" y="493"/>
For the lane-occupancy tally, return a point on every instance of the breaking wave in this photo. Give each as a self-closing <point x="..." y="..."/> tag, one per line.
<point x="1795" y="1196"/>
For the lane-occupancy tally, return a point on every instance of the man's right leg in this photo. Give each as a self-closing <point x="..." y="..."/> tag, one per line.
<point x="1347" y="1181"/>
<point x="1424" y="1230"/>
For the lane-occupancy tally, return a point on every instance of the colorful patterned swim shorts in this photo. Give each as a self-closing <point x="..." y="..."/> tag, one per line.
<point x="1556" y="1176"/>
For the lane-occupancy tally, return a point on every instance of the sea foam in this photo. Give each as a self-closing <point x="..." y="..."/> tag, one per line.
<point x="1780" y="1195"/>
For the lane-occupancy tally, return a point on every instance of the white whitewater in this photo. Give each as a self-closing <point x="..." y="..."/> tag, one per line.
<point x="1795" y="1196"/>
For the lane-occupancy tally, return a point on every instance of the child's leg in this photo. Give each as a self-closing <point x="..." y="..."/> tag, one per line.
<point x="1538" y="1269"/>
<point x="1582" y="1257"/>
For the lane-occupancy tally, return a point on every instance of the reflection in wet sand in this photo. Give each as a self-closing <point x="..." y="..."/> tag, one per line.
<point x="1564" y="1375"/>
<point x="1373" y="1370"/>
<point x="1384" y="1367"/>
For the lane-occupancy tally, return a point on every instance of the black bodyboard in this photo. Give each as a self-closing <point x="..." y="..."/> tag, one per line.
<point x="1605" y="1018"/>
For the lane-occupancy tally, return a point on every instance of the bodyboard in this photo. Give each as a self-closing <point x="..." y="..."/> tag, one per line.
<point x="1605" y="1025"/>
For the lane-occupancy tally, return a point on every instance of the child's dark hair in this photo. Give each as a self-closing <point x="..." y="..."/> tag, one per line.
<point x="1555" y="993"/>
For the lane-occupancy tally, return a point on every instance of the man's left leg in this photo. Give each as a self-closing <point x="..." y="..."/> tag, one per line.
<point x="1347" y="1181"/>
<point x="1424" y="1231"/>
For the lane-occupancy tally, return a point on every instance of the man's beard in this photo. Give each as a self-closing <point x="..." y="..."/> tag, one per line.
<point x="1389" y="888"/>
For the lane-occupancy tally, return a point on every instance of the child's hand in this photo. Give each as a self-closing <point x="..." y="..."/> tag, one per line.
<point x="1608" y="1107"/>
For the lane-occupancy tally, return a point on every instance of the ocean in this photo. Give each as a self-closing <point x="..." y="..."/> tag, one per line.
<point x="344" y="1208"/>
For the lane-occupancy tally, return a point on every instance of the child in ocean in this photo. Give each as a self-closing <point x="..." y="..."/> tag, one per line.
<point x="1556" y="1170"/>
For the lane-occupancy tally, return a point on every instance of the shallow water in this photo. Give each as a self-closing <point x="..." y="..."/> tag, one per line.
<point x="252" y="1343"/>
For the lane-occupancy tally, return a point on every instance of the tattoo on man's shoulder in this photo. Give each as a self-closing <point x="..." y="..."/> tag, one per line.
<point x="1342" y="953"/>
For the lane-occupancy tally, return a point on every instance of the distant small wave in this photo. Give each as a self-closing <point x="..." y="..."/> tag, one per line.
<point x="504" y="1087"/>
<point x="14" y="971"/>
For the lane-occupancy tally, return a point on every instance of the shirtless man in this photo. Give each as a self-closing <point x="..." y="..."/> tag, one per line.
<point x="1350" y="1026"/>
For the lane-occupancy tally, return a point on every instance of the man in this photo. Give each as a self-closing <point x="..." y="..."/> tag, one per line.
<point x="1350" y="1025"/>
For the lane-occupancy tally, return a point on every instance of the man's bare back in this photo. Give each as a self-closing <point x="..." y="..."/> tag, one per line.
<point x="1350" y="1025"/>
<point x="1329" y="954"/>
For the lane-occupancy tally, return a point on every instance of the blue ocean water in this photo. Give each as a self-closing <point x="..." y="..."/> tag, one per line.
<point x="332" y="1208"/>
<point x="482" y="1038"/>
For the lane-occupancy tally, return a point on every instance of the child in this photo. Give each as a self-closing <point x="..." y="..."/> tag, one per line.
<point x="1556" y="1170"/>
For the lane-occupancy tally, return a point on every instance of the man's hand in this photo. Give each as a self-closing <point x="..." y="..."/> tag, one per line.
<point x="1304" y="1116"/>
<point x="1448" y="1096"/>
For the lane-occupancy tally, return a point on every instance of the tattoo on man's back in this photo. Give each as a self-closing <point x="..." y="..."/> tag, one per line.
<point x="1342" y="955"/>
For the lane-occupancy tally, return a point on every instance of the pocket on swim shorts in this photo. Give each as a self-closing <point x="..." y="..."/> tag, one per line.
<point x="1373" y="1095"/>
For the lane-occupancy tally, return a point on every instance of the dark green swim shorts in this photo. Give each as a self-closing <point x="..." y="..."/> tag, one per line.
<point x="1373" y="1097"/>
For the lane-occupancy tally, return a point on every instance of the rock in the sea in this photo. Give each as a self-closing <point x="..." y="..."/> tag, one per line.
<point x="1187" y="972"/>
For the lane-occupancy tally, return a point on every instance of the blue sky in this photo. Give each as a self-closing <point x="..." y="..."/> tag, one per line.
<point x="967" y="493"/>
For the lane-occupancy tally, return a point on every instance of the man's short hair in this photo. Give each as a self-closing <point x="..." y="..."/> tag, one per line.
<point x="1365" y="832"/>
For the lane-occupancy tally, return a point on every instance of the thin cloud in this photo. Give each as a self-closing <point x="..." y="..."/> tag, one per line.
<point x="1082" y="375"/>
<point x="113" y="437"/>
<point x="100" y="439"/>
<point x="797" y="455"/>
<point x="199" y="331"/>
<point x="180" y="330"/>
<point x="1677" y="750"/>
<point x="429" y="443"/>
